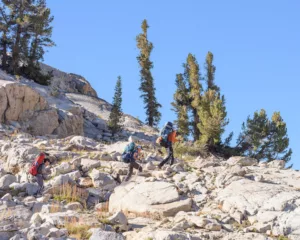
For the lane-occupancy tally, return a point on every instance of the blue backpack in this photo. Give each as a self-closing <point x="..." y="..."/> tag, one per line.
<point x="164" y="133"/>
<point x="128" y="152"/>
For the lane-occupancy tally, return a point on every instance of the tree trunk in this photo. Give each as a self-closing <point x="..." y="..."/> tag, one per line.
<point x="4" y="51"/>
<point x="196" y="131"/>
<point x="32" y="57"/>
<point x="16" y="52"/>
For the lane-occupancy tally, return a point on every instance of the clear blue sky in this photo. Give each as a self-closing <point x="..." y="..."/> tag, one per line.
<point x="256" y="45"/>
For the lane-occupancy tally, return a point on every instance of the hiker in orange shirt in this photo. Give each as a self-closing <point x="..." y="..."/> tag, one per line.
<point x="167" y="137"/>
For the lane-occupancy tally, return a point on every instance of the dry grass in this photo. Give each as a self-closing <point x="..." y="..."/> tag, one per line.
<point x="15" y="170"/>
<point x="55" y="208"/>
<point x="103" y="212"/>
<point x="6" y="214"/>
<point x="70" y="193"/>
<point x="78" y="230"/>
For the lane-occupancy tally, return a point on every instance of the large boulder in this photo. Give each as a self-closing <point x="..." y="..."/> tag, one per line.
<point x="18" y="155"/>
<point x="242" y="161"/>
<point x="83" y="142"/>
<point x="70" y="122"/>
<point x="99" y="234"/>
<point x="151" y="197"/>
<point x="68" y="82"/>
<point x="102" y="180"/>
<point x="88" y="164"/>
<point x="21" y="103"/>
<point x="250" y="196"/>
<point x="7" y="180"/>
<point x="279" y="164"/>
<point x="205" y="162"/>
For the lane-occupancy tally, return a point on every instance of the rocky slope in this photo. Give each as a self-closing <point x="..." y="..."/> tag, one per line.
<point x="69" y="106"/>
<point x="212" y="198"/>
<point x="199" y="199"/>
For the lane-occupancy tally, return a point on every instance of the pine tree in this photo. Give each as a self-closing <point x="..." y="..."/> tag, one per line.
<point x="212" y="110"/>
<point x="6" y="22"/>
<point x="147" y="83"/>
<point x="277" y="147"/>
<point x="116" y="115"/>
<point x="210" y="72"/>
<point x="192" y="74"/>
<point x="212" y="113"/>
<point x="27" y="22"/>
<point x="254" y="132"/>
<point x="41" y="31"/>
<point x="20" y="12"/>
<point x="265" y="139"/>
<point x="180" y="106"/>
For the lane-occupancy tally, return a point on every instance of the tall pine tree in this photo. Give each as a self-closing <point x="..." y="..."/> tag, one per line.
<point x="26" y="31"/>
<point x="20" y="10"/>
<point x="180" y="106"/>
<point x="6" y="22"/>
<point x="41" y="31"/>
<point x="116" y="115"/>
<point x="192" y="74"/>
<point x="147" y="83"/>
<point x="210" y="72"/>
<point x="212" y="113"/>
<point x="212" y="110"/>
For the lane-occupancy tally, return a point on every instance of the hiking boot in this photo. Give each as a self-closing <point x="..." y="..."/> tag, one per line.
<point x="127" y="178"/>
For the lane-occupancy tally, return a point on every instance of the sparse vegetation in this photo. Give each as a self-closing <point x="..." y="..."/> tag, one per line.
<point x="69" y="193"/>
<point x="189" y="151"/>
<point x="77" y="230"/>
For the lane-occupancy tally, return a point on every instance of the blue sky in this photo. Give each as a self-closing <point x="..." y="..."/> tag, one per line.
<point x="256" y="47"/>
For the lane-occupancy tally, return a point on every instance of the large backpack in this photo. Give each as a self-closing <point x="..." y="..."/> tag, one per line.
<point x="35" y="165"/>
<point x="128" y="152"/>
<point x="166" y="135"/>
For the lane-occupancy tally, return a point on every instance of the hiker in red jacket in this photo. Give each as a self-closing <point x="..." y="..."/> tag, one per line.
<point x="41" y="174"/>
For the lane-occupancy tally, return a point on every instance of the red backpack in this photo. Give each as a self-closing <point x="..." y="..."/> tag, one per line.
<point x="35" y="165"/>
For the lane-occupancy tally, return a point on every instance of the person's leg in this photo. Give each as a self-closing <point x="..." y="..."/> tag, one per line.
<point x="40" y="181"/>
<point x="130" y="170"/>
<point x="133" y="165"/>
<point x="166" y="159"/>
<point x="171" y="155"/>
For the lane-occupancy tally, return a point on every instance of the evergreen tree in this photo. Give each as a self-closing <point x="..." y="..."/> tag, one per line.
<point x="210" y="72"/>
<point x="278" y="141"/>
<point x="6" y="22"/>
<point x="212" y="113"/>
<point x="41" y="31"/>
<point x="147" y="83"/>
<point x="180" y="106"/>
<point x="212" y="110"/>
<point x="20" y="12"/>
<point x="27" y="22"/>
<point x="265" y="139"/>
<point x="116" y="115"/>
<point x="192" y="74"/>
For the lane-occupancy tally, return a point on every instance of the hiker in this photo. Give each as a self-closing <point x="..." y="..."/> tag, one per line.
<point x="38" y="169"/>
<point x="41" y="174"/>
<point x="130" y="155"/>
<point x="166" y="138"/>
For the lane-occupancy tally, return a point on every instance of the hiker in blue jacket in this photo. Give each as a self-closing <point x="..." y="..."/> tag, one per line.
<point x="164" y="133"/>
<point x="130" y="155"/>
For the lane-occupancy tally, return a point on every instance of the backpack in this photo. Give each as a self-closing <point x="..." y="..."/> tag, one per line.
<point x="128" y="152"/>
<point x="35" y="165"/>
<point x="166" y="135"/>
